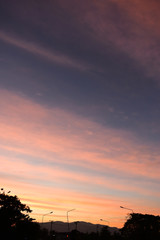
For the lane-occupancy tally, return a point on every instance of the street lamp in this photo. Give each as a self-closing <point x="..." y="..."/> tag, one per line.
<point x="2" y="190"/>
<point x="45" y="215"/>
<point x="68" y="217"/>
<point x="76" y="223"/>
<point x="127" y="208"/>
<point x="51" y="226"/>
<point x="105" y="221"/>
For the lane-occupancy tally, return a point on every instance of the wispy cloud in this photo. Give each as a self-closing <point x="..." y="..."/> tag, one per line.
<point x="61" y="136"/>
<point x="136" y="33"/>
<point x="37" y="50"/>
<point x="129" y="27"/>
<point x="37" y="145"/>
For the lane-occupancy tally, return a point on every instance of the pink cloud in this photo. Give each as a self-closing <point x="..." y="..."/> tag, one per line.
<point x="57" y="135"/>
<point x="138" y="36"/>
<point x="30" y="172"/>
<point x="134" y="30"/>
<point x="30" y="132"/>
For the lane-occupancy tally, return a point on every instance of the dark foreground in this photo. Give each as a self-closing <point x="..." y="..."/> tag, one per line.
<point x="16" y="224"/>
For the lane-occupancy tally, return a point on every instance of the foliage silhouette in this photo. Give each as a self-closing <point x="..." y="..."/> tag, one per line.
<point x="141" y="226"/>
<point x="15" y="222"/>
<point x="105" y="233"/>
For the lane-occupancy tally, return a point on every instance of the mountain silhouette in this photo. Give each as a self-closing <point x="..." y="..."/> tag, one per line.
<point x="84" y="227"/>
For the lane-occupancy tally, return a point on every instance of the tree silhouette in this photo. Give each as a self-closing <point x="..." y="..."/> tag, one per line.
<point x="105" y="233"/>
<point x="142" y="226"/>
<point x="15" y="221"/>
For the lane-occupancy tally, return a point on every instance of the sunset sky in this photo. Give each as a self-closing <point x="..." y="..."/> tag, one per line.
<point x="80" y="107"/>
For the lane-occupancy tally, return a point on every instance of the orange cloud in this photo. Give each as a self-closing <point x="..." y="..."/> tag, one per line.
<point x="28" y="172"/>
<point x="88" y="207"/>
<point x="45" y="199"/>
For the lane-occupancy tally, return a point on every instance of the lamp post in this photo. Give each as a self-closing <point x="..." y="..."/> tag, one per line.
<point x="51" y="226"/>
<point x="68" y="217"/>
<point x="45" y="215"/>
<point x="105" y="221"/>
<point x="127" y="208"/>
